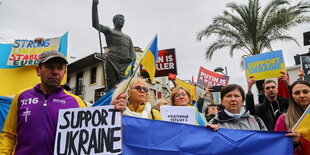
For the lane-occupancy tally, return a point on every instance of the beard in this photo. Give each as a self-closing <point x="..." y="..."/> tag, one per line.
<point x="51" y="84"/>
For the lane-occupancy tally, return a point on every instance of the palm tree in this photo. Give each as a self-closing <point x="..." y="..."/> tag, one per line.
<point x="253" y="29"/>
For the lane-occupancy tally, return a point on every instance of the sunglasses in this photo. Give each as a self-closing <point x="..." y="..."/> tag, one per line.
<point x="140" y="88"/>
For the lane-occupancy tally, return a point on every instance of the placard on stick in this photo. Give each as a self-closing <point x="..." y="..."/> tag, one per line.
<point x="179" y="114"/>
<point x="27" y="52"/>
<point x="93" y="130"/>
<point x="265" y="66"/>
<point x="208" y="78"/>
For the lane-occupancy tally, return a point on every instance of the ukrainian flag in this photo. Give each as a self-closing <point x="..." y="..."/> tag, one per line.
<point x="150" y="57"/>
<point x="304" y="125"/>
<point x="14" y="79"/>
<point x="128" y="71"/>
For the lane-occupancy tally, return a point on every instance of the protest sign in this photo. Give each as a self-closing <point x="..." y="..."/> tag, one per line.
<point x="264" y="66"/>
<point x="305" y="65"/>
<point x="18" y="78"/>
<point x="27" y="52"/>
<point x="209" y="78"/>
<point x="307" y="38"/>
<point x="94" y="130"/>
<point x="165" y="64"/>
<point x="179" y="114"/>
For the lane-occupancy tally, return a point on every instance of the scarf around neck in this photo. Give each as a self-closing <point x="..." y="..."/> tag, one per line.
<point x="144" y="114"/>
<point x="242" y="111"/>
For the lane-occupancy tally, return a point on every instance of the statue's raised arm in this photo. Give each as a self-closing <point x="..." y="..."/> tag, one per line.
<point x="120" y="47"/>
<point x="95" y="19"/>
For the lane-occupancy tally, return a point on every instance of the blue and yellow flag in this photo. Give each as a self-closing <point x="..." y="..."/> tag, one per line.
<point x="14" y="79"/>
<point x="304" y="125"/>
<point x="150" y="56"/>
<point x="129" y="70"/>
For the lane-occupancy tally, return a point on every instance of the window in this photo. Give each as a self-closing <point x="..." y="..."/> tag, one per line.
<point x="79" y="84"/>
<point x="93" y="75"/>
<point x="68" y="79"/>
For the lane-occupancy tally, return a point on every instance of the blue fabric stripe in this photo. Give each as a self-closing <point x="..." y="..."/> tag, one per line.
<point x="154" y="48"/>
<point x="149" y="137"/>
<point x="5" y="50"/>
<point x="105" y="99"/>
<point x="5" y="104"/>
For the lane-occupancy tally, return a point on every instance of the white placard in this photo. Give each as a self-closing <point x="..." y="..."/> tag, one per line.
<point x="93" y="130"/>
<point x="179" y="114"/>
<point x="27" y="52"/>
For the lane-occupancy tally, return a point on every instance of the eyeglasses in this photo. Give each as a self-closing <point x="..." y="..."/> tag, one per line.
<point x="272" y="87"/>
<point x="182" y="94"/>
<point x="140" y="88"/>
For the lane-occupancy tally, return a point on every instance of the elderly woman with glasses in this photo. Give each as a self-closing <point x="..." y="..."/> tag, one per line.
<point x="136" y="100"/>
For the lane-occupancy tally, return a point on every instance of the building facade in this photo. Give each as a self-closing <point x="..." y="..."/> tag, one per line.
<point x="86" y="79"/>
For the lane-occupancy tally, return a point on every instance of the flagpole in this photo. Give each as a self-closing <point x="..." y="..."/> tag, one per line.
<point x="302" y="116"/>
<point x="137" y="66"/>
<point x="101" y="51"/>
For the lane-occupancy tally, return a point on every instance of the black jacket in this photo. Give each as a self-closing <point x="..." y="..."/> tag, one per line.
<point x="268" y="112"/>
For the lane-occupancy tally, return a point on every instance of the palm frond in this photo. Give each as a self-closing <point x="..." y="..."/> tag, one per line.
<point x="252" y="28"/>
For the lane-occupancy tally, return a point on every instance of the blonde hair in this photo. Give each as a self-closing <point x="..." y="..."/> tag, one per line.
<point x="160" y="101"/>
<point x="175" y="92"/>
<point x="122" y="86"/>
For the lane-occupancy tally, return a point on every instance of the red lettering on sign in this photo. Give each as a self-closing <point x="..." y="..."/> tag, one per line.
<point x="12" y="57"/>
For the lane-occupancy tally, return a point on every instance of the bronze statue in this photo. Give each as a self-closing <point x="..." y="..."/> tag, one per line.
<point x="121" y="52"/>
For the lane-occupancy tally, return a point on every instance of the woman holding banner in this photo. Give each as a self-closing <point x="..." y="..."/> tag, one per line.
<point x="235" y="116"/>
<point x="299" y="101"/>
<point x="135" y="98"/>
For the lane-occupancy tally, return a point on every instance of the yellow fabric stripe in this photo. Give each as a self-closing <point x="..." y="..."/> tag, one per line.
<point x="304" y="127"/>
<point x="149" y="64"/>
<point x="8" y="136"/>
<point x="14" y="80"/>
<point x="81" y="103"/>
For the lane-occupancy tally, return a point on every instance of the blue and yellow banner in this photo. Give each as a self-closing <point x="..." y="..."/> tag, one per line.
<point x="150" y="137"/>
<point x="13" y="79"/>
<point x="264" y="66"/>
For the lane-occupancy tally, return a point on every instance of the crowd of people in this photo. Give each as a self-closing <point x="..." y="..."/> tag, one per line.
<point x="133" y="98"/>
<point x="275" y="113"/>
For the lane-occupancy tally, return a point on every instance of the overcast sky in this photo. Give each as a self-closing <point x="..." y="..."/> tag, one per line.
<point x="175" y="21"/>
